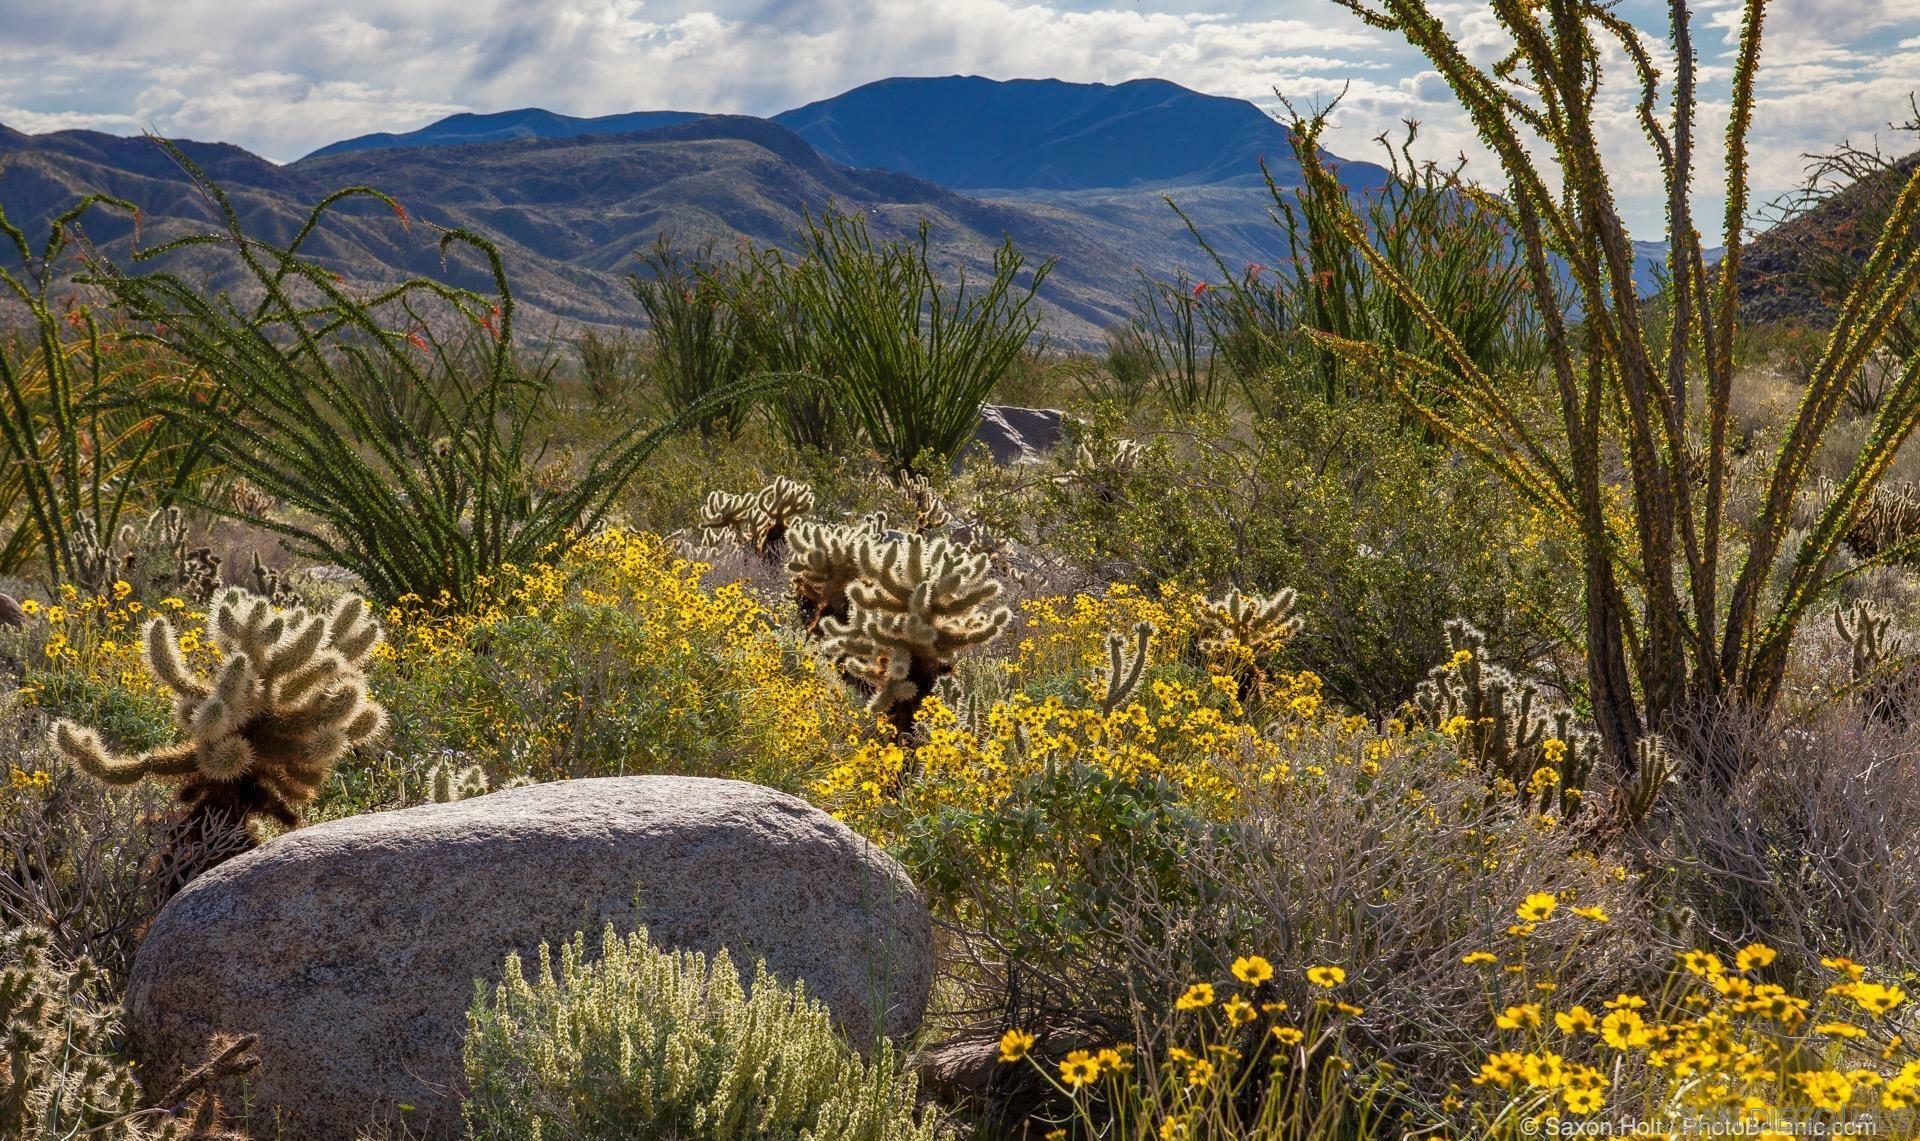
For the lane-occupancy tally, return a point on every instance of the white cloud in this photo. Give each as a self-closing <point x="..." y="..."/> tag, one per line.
<point x="284" y="76"/>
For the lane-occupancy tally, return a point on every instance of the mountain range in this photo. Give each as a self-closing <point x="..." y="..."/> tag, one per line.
<point x="1077" y="172"/>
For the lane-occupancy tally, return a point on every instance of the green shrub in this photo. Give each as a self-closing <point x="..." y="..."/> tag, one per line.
<point x="698" y="346"/>
<point x="911" y="357"/>
<point x="1385" y="538"/>
<point x="647" y="1043"/>
<point x="402" y="456"/>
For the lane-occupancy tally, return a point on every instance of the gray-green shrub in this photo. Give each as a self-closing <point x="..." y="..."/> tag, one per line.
<point x="649" y="1043"/>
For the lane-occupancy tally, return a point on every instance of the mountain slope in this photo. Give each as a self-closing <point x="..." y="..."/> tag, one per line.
<point x="527" y="123"/>
<point x="570" y="215"/>
<point x="1793" y="270"/>
<point x="972" y="133"/>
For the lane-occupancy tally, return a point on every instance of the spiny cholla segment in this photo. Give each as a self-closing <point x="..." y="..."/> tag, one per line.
<point x="824" y="560"/>
<point x="917" y="604"/>
<point x="289" y="699"/>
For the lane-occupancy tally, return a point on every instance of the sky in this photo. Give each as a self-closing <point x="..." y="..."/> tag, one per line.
<point x="282" y="77"/>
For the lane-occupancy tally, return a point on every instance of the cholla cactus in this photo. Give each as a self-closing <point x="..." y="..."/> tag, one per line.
<point x="824" y="562"/>
<point x="1123" y="457"/>
<point x="1239" y="632"/>
<point x="724" y="516"/>
<point x="929" y="513"/>
<point x="448" y="782"/>
<point x="1890" y="519"/>
<point x="1874" y="646"/>
<point x="1122" y="676"/>
<point x="96" y="561"/>
<point x="757" y="522"/>
<point x="1502" y="723"/>
<point x="60" y="1078"/>
<point x="917" y="604"/>
<point x="273" y="585"/>
<point x="290" y="697"/>
<point x="1653" y="767"/>
<point x="1870" y="639"/>
<point x="776" y="508"/>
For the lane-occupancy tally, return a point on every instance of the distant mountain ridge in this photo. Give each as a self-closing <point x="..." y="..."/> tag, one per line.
<point x="526" y="123"/>
<point x="1080" y="172"/>
<point x="966" y="132"/>
<point x="972" y="133"/>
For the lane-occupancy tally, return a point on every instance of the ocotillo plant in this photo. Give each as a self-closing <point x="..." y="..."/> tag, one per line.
<point x="406" y="456"/>
<point x="76" y="445"/>
<point x="914" y="358"/>
<point x="917" y="604"/>
<point x="698" y="349"/>
<point x="1686" y="612"/>
<point x="262" y="734"/>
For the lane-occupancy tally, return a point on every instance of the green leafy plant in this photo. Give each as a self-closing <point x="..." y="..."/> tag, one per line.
<point x="648" y="1043"/>
<point x="405" y="457"/>
<point x="912" y="358"/>
<point x="695" y="334"/>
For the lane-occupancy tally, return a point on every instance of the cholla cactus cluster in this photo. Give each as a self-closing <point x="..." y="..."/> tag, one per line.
<point x="917" y="603"/>
<point x="449" y="781"/>
<point x="261" y="736"/>
<point x="60" y="1078"/>
<point x="1869" y="637"/>
<point x="930" y="514"/>
<point x="154" y="555"/>
<point x="1239" y="632"/>
<point x="758" y="522"/>
<point x="1504" y="724"/>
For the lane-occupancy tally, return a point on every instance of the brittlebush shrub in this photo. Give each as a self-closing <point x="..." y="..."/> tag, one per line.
<point x="647" y="1043"/>
<point x="615" y="660"/>
<point x="1384" y="536"/>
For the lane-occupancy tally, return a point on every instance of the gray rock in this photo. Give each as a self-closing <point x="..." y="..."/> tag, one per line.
<point x="352" y="947"/>
<point x="1018" y="435"/>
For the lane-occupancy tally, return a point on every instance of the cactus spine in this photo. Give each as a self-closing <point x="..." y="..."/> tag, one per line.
<point x="917" y="604"/>
<point x="261" y="735"/>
